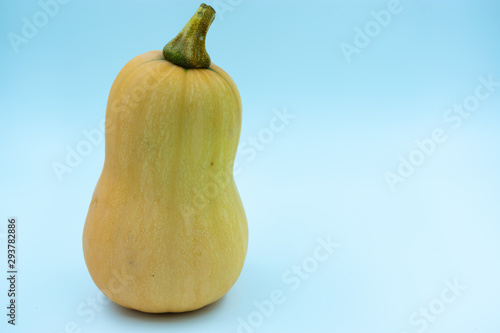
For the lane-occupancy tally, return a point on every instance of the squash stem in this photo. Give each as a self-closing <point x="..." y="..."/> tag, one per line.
<point x="187" y="49"/>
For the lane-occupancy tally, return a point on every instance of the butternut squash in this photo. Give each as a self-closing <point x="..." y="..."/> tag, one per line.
<point x="166" y="230"/>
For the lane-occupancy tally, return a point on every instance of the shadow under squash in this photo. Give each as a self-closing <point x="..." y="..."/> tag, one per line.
<point x="167" y="316"/>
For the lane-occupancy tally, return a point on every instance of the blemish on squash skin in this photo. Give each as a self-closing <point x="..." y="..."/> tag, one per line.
<point x="211" y="163"/>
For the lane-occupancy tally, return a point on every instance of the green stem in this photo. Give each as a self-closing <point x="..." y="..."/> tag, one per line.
<point x="187" y="49"/>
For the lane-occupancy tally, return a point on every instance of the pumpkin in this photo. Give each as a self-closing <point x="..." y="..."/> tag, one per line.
<point x="166" y="230"/>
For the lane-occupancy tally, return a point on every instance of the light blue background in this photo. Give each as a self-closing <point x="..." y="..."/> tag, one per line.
<point x="322" y="175"/>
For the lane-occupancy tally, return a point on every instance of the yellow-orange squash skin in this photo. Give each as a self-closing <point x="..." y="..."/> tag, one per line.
<point x="166" y="230"/>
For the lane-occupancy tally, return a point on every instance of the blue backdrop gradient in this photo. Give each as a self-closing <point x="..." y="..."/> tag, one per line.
<point x="352" y="119"/>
